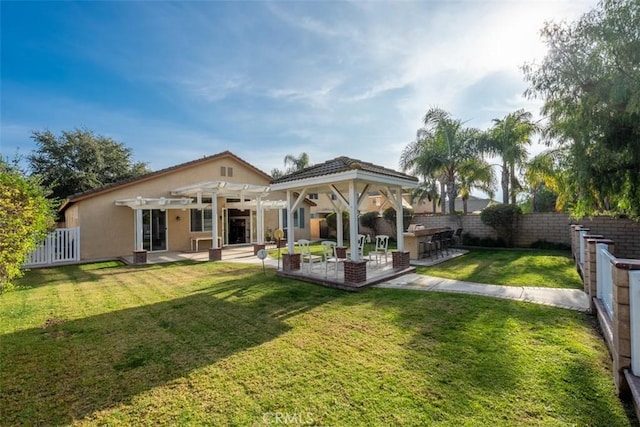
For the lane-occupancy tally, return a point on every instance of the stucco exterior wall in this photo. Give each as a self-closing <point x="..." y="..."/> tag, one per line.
<point x="107" y="230"/>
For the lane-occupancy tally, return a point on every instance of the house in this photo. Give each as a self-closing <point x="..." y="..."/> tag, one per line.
<point x="377" y="202"/>
<point x="211" y="202"/>
<point x="474" y="205"/>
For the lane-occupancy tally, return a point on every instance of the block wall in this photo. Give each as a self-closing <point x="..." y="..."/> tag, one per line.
<point x="551" y="227"/>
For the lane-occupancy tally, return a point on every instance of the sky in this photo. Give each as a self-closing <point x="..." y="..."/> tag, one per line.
<point x="176" y="81"/>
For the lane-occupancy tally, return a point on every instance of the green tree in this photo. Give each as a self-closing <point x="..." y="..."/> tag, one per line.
<point x="332" y="222"/>
<point x="294" y="164"/>
<point x="427" y="189"/>
<point x="552" y="170"/>
<point x="509" y="138"/>
<point x="276" y="173"/>
<point x="475" y="174"/>
<point x="25" y="217"/>
<point x="441" y="146"/>
<point x="547" y="179"/>
<point x="291" y="164"/>
<point x="590" y="83"/>
<point x="504" y="219"/>
<point x="389" y="215"/>
<point x="370" y="220"/>
<point x="79" y="161"/>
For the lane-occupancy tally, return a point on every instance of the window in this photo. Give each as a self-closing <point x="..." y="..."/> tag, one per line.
<point x="201" y="219"/>
<point x="313" y="196"/>
<point x="229" y="171"/>
<point x="298" y="218"/>
<point x="334" y="197"/>
<point x="223" y="171"/>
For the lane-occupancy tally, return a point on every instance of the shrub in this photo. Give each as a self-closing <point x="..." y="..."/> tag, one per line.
<point x="485" y="242"/>
<point x="543" y="244"/>
<point x="390" y="216"/>
<point x="369" y="220"/>
<point x="25" y="218"/>
<point x="332" y="221"/>
<point x="504" y="219"/>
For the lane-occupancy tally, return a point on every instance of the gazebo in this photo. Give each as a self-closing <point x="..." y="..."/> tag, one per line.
<point x="346" y="182"/>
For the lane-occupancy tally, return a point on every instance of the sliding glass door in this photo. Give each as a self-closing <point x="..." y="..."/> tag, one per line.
<point x="154" y="230"/>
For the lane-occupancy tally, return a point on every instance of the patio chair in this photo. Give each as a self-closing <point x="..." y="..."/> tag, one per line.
<point x="447" y="239"/>
<point x="438" y="243"/>
<point x="305" y="254"/>
<point x="425" y="247"/>
<point x="457" y="236"/>
<point x="382" y="243"/>
<point x="329" y="256"/>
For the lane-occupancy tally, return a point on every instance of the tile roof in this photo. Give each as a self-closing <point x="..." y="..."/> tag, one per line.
<point x="338" y="165"/>
<point x="130" y="181"/>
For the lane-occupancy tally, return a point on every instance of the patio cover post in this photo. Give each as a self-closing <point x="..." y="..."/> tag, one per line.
<point x="399" y="219"/>
<point x="260" y="219"/>
<point x="353" y="221"/>
<point x="138" y="222"/>
<point x="214" y="220"/>
<point x="339" y="228"/>
<point x="289" y="223"/>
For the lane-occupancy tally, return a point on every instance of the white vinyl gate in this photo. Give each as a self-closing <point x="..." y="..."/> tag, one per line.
<point x="61" y="245"/>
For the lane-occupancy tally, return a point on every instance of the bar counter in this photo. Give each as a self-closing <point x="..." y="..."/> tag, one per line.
<point x="413" y="239"/>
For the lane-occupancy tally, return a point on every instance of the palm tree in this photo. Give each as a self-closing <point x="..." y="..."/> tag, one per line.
<point x="276" y="173"/>
<point x="550" y="170"/>
<point x="296" y="163"/>
<point x="440" y="147"/>
<point x="427" y="189"/>
<point x="475" y="174"/>
<point x="508" y="139"/>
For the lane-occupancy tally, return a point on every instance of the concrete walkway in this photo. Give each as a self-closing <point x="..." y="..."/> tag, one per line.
<point x="573" y="299"/>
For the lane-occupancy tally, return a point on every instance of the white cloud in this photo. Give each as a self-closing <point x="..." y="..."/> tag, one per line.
<point x="350" y="78"/>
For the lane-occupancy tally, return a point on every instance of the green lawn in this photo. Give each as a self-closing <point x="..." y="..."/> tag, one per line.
<point x="225" y="344"/>
<point x="540" y="268"/>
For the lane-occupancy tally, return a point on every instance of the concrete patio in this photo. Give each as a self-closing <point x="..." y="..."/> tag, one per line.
<point x="376" y="272"/>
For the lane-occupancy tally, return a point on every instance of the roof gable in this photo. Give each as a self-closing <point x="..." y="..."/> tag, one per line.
<point x="152" y="175"/>
<point x="132" y="181"/>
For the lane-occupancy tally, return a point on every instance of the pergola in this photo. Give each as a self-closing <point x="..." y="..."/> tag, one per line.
<point x="346" y="182"/>
<point x="249" y="195"/>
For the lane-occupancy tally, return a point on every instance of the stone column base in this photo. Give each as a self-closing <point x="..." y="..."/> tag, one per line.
<point x="257" y="247"/>
<point x="355" y="271"/>
<point x="215" y="254"/>
<point x="290" y="262"/>
<point x="400" y="259"/>
<point x="139" y="257"/>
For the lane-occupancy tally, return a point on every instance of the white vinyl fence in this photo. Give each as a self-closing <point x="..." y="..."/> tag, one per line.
<point x="582" y="246"/>
<point x="634" y="290"/>
<point x="604" y="279"/>
<point x="61" y="245"/>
